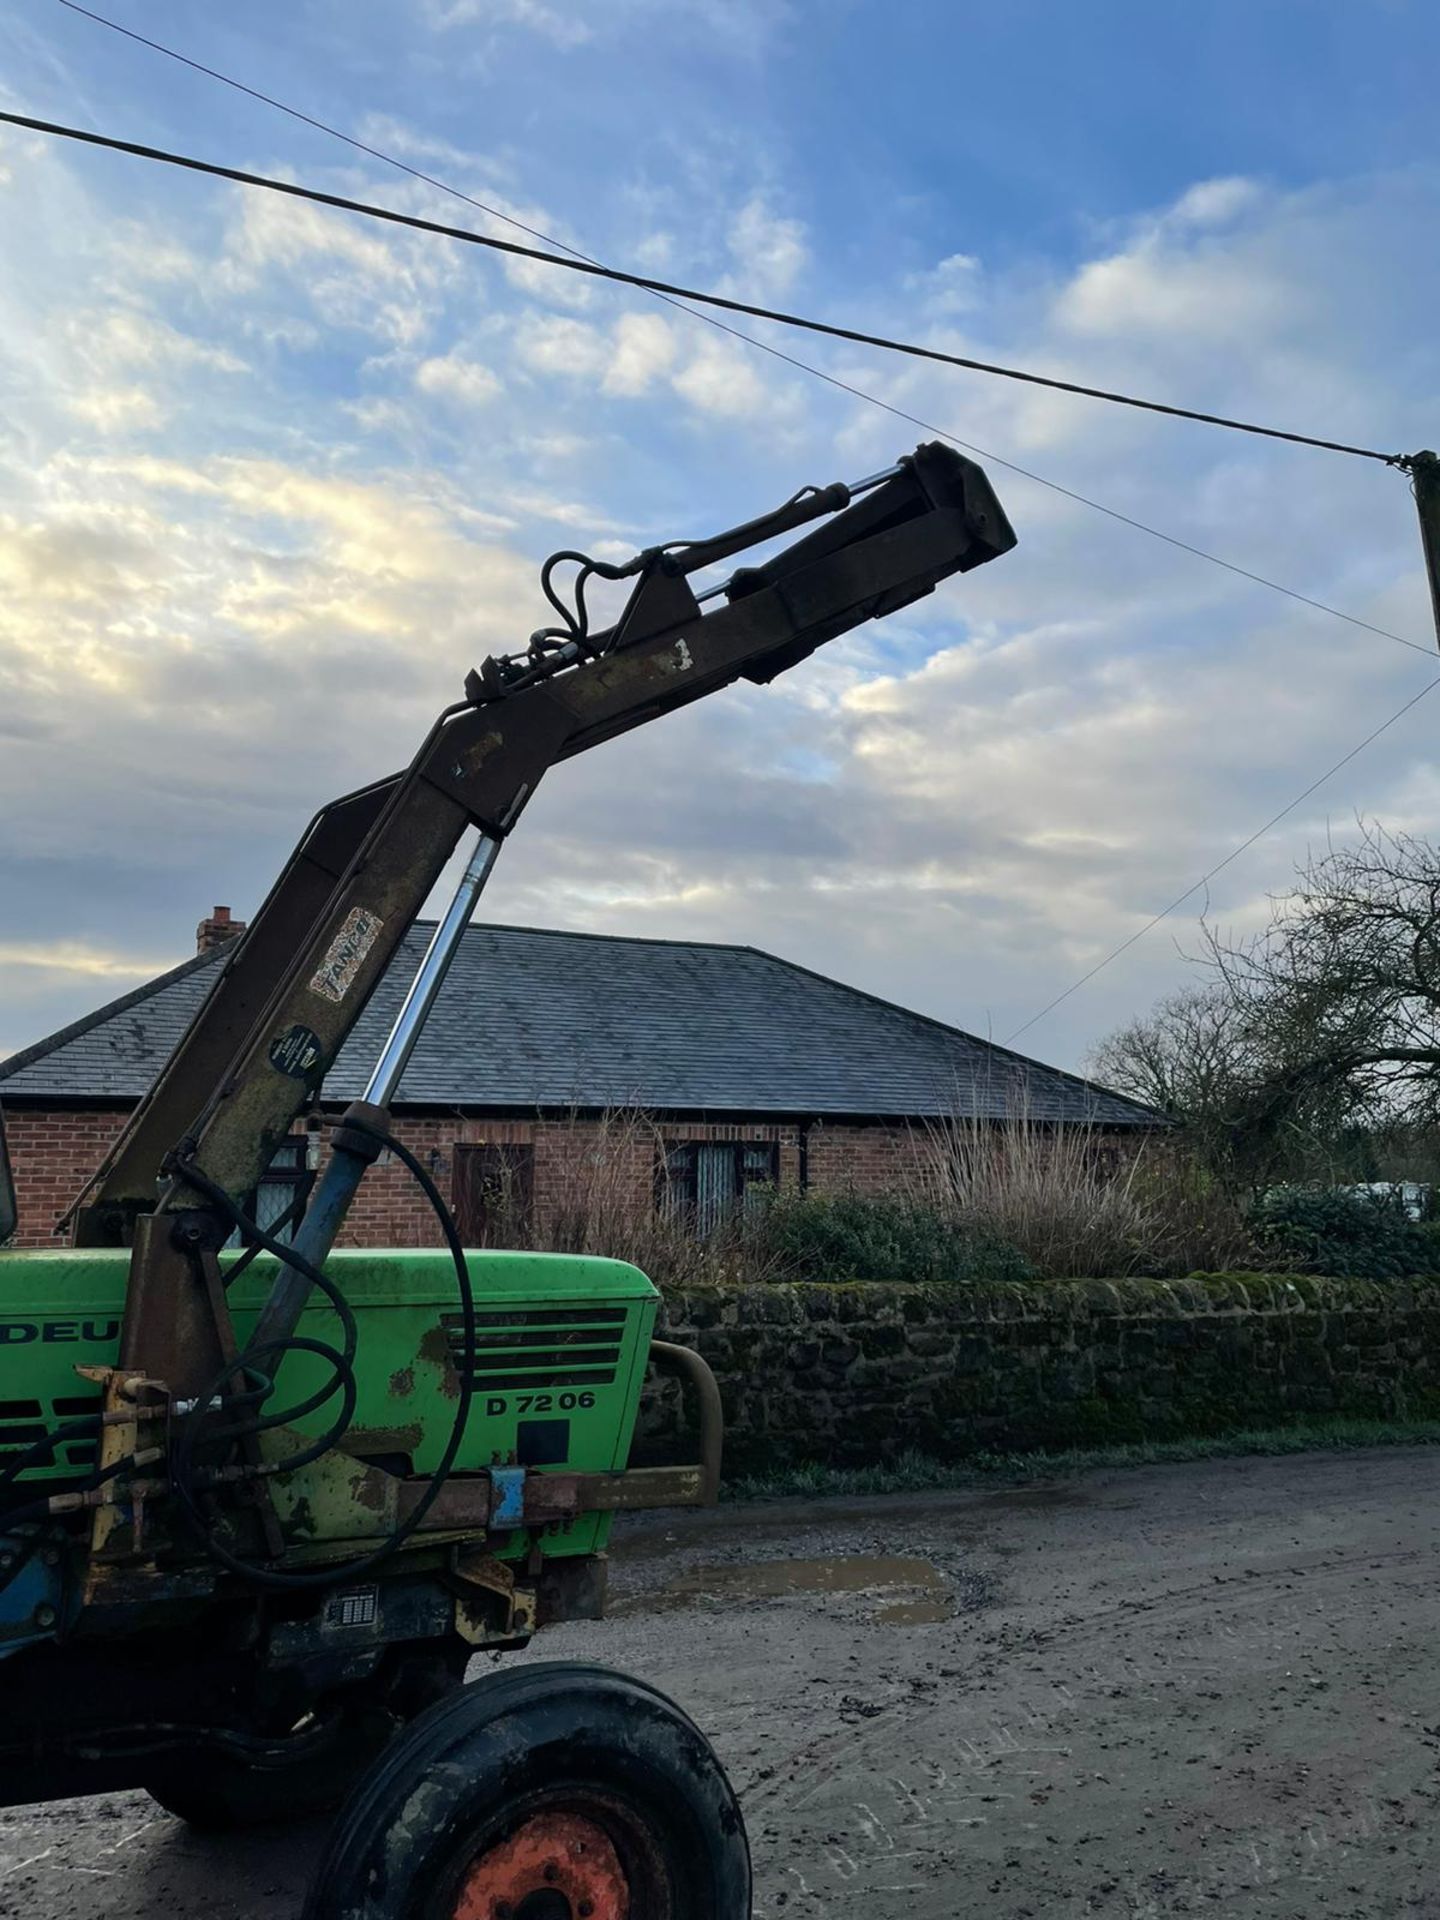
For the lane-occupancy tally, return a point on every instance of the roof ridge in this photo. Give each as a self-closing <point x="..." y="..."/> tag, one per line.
<point x="52" y="1042"/>
<point x="585" y="933"/>
<point x="962" y="1033"/>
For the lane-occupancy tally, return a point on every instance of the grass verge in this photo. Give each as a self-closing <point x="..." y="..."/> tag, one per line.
<point x="919" y="1473"/>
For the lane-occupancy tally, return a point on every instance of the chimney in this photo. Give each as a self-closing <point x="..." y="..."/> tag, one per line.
<point x="215" y="931"/>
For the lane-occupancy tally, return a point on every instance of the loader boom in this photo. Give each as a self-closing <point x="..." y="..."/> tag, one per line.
<point x="291" y="992"/>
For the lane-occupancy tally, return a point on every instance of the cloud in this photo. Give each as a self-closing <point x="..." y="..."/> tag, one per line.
<point x="549" y="343"/>
<point x="1210" y="203"/>
<point x="131" y="336"/>
<point x="354" y="278"/>
<point x="393" y="135"/>
<point x="743" y="25"/>
<point x="643" y="351"/>
<point x="380" y="415"/>
<point x="561" y="25"/>
<point x="452" y="377"/>
<point x="769" y="250"/>
<point x="720" y="378"/>
<point x="953" y="285"/>
<point x="116" y="409"/>
<point x="76" y="957"/>
<point x="76" y="558"/>
<point x="640" y="350"/>
<point x="268" y="231"/>
<point x="556" y="286"/>
<point x="1156" y="286"/>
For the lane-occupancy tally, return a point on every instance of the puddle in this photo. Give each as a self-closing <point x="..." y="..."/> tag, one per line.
<point x="909" y="1592"/>
<point x="915" y="1613"/>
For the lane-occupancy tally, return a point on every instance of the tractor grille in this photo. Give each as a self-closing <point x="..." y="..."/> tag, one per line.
<point x="23" y="1422"/>
<point x="541" y="1346"/>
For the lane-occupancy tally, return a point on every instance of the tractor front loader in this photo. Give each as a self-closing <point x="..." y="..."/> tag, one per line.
<point x="261" y="1500"/>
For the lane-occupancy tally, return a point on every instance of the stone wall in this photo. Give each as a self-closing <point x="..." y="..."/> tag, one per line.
<point x="850" y="1374"/>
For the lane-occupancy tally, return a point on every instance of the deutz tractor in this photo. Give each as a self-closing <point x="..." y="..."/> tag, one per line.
<point x="262" y="1500"/>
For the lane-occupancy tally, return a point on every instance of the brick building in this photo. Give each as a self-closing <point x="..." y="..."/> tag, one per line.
<point x="542" y="1055"/>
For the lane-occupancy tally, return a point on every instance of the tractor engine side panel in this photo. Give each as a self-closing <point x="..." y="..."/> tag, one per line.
<point x="561" y="1348"/>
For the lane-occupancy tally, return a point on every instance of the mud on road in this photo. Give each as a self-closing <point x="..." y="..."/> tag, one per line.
<point x="1212" y="1688"/>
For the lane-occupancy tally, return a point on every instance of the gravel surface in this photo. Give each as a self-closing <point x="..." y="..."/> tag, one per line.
<point x="1179" y="1690"/>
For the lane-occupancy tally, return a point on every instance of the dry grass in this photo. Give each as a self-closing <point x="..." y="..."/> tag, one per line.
<point x="1072" y="1201"/>
<point x="1077" y="1203"/>
<point x="609" y="1205"/>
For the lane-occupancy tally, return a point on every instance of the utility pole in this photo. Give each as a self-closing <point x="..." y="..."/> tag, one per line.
<point x="1425" y="474"/>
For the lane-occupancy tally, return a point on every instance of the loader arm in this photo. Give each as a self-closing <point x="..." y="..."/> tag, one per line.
<point x="260" y="1049"/>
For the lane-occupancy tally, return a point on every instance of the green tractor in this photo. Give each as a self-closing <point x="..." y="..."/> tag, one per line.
<point x="261" y="1500"/>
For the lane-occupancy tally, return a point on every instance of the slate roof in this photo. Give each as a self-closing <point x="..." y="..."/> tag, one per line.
<point x="530" y="1018"/>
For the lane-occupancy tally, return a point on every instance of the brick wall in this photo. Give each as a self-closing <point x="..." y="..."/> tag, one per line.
<point x="862" y="1159"/>
<point x="856" y="1373"/>
<point x="52" y="1155"/>
<point x="575" y="1161"/>
<point x="54" y="1152"/>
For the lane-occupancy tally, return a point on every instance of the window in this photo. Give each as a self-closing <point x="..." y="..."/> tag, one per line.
<point x="494" y="1194"/>
<point x="707" y="1181"/>
<point x="284" y="1185"/>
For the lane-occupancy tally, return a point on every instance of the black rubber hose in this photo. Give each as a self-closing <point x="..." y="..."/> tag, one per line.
<point x="268" y="1242"/>
<point x="342" y="1381"/>
<point x="39" y="1509"/>
<point x="218" y="1197"/>
<point x="278" y="1580"/>
<point x="287" y="1218"/>
<point x="34" y="1455"/>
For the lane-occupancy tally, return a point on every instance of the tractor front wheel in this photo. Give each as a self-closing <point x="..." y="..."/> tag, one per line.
<point x="550" y="1792"/>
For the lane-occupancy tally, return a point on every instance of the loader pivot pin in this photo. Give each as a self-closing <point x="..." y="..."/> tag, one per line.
<point x="556" y="1866"/>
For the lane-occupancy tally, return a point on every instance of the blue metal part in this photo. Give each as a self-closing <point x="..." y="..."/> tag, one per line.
<point x="33" y="1603"/>
<point x="329" y="1204"/>
<point x="507" y="1508"/>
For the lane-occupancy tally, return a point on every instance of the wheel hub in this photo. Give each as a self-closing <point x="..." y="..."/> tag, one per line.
<point x="557" y="1866"/>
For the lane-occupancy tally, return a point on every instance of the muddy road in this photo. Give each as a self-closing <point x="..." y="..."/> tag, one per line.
<point x="1186" y="1690"/>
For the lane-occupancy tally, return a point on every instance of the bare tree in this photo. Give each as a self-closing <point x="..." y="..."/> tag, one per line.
<point x="1194" y="1057"/>
<point x="1311" y="1049"/>
<point x="1185" y="1056"/>
<point x="1338" y="999"/>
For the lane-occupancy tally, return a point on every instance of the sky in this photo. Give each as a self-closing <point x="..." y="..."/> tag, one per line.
<point x="272" y="478"/>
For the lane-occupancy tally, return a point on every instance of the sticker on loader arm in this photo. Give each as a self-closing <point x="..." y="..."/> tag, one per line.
<point x="347" y="954"/>
<point x="296" y="1051"/>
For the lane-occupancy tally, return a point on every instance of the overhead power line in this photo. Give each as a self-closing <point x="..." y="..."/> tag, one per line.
<point x="737" y="333"/>
<point x="1220" y="865"/>
<point x="579" y="264"/>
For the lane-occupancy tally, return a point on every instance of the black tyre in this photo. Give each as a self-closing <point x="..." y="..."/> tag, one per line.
<point x="550" y="1792"/>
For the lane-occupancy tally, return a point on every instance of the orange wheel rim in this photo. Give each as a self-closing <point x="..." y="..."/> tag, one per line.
<point x="557" y="1866"/>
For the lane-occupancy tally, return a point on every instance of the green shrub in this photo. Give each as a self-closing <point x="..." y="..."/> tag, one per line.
<point x="851" y="1236"/>
<point x="1333" y="1230"/>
